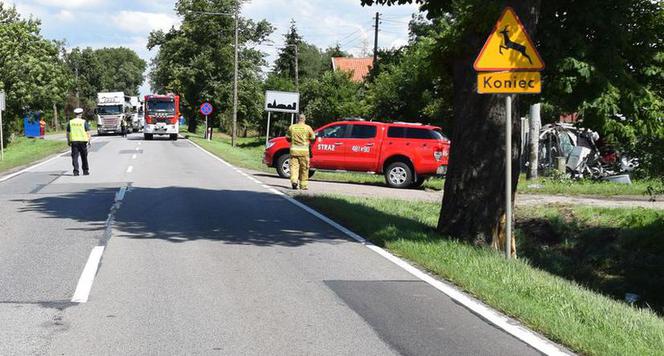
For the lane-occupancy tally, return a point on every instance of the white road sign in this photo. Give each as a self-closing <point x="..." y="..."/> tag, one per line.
<point x="282" y="101"/>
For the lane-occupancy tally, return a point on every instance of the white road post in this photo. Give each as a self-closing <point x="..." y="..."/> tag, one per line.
<point x="508" y="176"/>
<point x="292" y="118"/>
<point x="267" y="130"/>
<point x="206" y="127"/>
<point x="2" y="140"/>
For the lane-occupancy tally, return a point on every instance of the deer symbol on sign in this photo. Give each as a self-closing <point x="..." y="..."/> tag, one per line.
<point x="508" y="44"/>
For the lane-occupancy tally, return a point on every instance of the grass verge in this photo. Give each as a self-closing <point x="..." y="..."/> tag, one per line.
<point x="27" y="150"/>
<point x="585" y="187"/>
<point x="564" y="311"/>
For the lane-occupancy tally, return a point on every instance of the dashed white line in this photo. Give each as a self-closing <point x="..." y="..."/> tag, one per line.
<point x="88" y="276"/>
<point x="133" y="156"/>
<point x="137" y="149"/>
<point x="130" y="169"/>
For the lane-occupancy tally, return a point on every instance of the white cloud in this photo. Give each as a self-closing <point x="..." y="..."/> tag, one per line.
<point x="144" y="22"/>
<point x="69" y="4"/>
<point x="64" y="16"/>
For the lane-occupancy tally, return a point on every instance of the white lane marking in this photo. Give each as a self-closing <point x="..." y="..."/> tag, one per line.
<point x="130" y="169"/>
<point x="10" y="176"/>
<point x="88" y="276"/>
<point x="140" y="143"/>
<point x="498" y="319"/>
<point x="133" y="156"/>
<point x="138" y="149"/>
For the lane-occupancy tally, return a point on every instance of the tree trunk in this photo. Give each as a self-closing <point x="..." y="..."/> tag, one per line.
<point x="474" y="201"/>
<point x="56" y="124"/>
<point x="535" y="123"/>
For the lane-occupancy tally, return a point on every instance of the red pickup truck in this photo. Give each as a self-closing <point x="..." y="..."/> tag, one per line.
<point x="407" y="154"/>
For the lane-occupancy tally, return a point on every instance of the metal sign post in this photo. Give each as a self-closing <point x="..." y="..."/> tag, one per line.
<point x="206" y="109"/>
<point x="2" y="139"/>
<point x="508" y="64"/>
<point x="508" y="176"/>
<point x="267" y="130"/>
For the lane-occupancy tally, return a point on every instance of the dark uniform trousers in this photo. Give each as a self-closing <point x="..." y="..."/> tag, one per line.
<point x="79" y="149"/>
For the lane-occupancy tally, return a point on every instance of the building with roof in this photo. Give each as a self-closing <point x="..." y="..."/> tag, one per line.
<point x="359" y="67"/>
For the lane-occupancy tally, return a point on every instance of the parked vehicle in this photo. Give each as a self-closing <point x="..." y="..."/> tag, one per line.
<point x="137" y="118"/>
<point x="161" y="116"/>
<point x="407" y="154"/>
<point x="112" y="109"/>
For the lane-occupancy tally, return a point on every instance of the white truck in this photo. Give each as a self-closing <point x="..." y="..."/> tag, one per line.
<point x="137" y="117"/>
<point x="112" y="109"/>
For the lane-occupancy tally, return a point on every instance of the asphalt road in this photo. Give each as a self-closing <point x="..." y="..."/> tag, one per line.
<point x="198" y="259"/>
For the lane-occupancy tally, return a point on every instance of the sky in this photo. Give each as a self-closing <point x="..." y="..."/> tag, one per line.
<point x="103" y="23"/>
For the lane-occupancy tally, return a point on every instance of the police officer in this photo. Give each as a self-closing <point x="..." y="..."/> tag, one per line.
<point x="300" y="136"/>
<point x="78" y="139"/>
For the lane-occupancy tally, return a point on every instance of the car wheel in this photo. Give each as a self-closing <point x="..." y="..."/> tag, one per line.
<point x="283" y="166"/>
<point x="311" y="172"/>
<point x="174" y="137"/>
<point x="399" y="175"/>
<point x="147" y="137"/>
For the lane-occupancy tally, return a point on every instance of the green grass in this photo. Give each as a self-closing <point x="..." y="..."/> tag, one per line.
<point x="614" y="251"/>
<point x="564" y="311"/>
<point x="584" y="187"/>
<point x="26" y="150"/>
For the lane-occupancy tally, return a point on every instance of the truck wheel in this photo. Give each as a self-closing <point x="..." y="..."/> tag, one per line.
<point x="418" y="182"/>
<point x="311" y="172"/>
<point x="174" y="137"/>
<point x="399" y="175"/>
<point x="147" y="137"/>
<point x="283" y="166"/>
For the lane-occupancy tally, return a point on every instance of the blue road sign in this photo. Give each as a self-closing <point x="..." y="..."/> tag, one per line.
<point x="206" y="109"/>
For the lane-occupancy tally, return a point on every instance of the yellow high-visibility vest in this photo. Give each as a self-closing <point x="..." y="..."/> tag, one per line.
<point x="77" y="131"/>
<point x="300" y="135"/>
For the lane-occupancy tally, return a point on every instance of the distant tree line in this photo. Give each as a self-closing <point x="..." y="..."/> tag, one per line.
<point x="40" y="75"/>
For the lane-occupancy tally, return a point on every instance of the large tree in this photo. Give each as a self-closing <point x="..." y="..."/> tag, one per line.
<point x="596" y="54"/>
<point x="32" y="73"/>
<point x="197" y="59"/>
<point x="122" y="69"/>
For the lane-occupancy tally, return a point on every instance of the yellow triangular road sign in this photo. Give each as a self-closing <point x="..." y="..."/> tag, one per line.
<point x="508" y="47"/>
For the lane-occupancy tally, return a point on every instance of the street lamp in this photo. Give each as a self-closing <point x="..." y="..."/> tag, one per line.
<point x="235" y="71"/>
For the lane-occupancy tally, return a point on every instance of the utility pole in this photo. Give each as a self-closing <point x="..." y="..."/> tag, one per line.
<point x="234" y="136"/>
<point x="78" y="101"/>
<point x="375" y="52"/>
<point x="297" y="70"/>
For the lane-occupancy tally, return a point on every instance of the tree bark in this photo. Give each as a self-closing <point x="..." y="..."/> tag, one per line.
<point x="474" y="201"/>
<point x="56" y="124"/>
<point x="535" y="124"/>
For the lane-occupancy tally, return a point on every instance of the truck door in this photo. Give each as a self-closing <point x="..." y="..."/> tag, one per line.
<point x="363" y="147"/>
<point x="328" y="150"/>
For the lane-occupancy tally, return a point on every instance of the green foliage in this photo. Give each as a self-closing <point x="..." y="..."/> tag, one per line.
<point x="121" y="70"/>
<point x="32" y="73"/>
<point x="332" y="97"/>
<point x="605" y="60"/>
<point x="196" y="61"/>
<point x="406" y="87"/>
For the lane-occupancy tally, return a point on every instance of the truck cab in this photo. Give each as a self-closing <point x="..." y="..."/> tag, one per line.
<point x="161" y="116"/>
<point x="407" y="154"/>
<point x="112" y="110"/>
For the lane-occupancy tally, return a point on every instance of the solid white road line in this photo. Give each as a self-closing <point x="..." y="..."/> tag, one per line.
<point x="88" y="276"/>
<point x="130" y="169"/>
<point x="9" y="176"/>
<point x="503" y="322"/>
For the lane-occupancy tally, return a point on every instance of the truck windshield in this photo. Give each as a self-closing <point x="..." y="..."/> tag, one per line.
<point x="109" y="109"/>
<point x="161" y="106"/>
